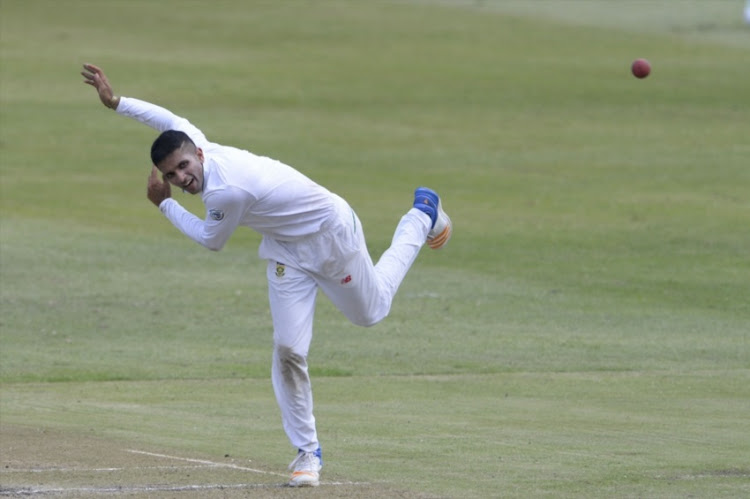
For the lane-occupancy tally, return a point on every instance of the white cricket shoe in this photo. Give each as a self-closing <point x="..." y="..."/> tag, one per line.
<point x="306" y="469"/>
<point x="428" y="201"/>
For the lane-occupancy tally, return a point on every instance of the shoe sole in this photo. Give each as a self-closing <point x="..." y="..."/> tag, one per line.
<point x="297" y="485"/>
<point x="441" y="239"/>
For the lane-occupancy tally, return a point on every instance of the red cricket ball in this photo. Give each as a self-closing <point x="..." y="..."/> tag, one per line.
<point x="640" y="68"/>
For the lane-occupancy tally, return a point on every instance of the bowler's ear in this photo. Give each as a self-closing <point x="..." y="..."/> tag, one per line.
<point x="199" y="153"/>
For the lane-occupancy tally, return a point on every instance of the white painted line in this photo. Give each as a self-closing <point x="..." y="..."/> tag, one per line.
<point x="99" y="470"/>
<point x="234" y="466"/>
<point x="28" y="491"/>
<point x="203" y="461"/>
<point x="199" y="464"/>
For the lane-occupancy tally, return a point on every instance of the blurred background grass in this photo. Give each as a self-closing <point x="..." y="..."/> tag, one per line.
<point x="601" y="225"/>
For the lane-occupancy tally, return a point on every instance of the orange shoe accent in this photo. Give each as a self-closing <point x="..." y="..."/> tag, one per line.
<point x="301" y="473"/>
<point x="441" y="239"/>
<point x="304" y="479"/>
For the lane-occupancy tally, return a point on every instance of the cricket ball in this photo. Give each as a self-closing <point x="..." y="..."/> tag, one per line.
<point x="640" y="68"/>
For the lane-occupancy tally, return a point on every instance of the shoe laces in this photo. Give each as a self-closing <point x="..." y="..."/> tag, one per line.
<point x="305" y="461"/>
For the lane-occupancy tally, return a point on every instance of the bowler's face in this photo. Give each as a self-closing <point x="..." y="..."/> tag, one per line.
<point x="184" y="168"/>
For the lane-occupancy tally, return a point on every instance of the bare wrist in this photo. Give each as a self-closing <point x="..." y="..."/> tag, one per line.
<point x="114" y="101"/>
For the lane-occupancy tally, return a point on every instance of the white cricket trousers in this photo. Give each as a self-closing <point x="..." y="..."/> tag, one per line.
<point x="335" y="260"/>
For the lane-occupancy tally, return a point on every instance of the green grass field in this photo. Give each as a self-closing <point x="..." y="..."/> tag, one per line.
<point x="585" y="334"/>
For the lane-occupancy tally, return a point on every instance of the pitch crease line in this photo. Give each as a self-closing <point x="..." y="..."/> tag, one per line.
<point x="99" y="470"/>
<point x="22" y="491"/>
<point x="203" y="461"/>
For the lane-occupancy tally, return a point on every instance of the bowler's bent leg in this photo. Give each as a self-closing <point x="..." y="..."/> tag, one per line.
<point x="365" y="292"/>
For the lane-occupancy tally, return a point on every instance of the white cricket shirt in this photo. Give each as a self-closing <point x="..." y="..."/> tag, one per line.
<point x="239" y="188"/>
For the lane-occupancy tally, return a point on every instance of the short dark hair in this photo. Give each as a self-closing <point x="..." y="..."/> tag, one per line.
<point x="167" y="143"/>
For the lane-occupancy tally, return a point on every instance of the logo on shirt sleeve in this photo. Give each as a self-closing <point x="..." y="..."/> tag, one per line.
<point x="217" y="215"/>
